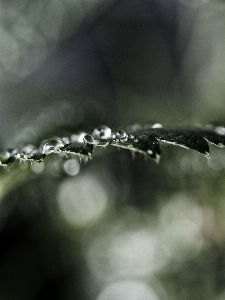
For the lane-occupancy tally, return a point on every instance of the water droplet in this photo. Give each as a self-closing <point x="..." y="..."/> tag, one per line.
<point x="89" y="139"/>
<point x="121" y="135"/>
<point x="102" y="132"/>
<point x="52" y="146"/>
<point x="65" y="140"/>
<point x="27" y="151"/>
<point x="157" y="125"/>
<point x="130" y="136"/>
<point x="8" y="157"/>
<point x="78" y="137"/>
<point x="11" y="152"/>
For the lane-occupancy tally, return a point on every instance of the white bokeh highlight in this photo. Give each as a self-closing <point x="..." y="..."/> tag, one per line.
<point x="82" y="200"/>
<point x="181" y="228"/>
<point x="128" y="290"/>
<point x="128" y="248"/>
<point x="71" y="167"/>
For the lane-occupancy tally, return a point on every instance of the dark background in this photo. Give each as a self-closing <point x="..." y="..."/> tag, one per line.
<point x="114" y="228"/>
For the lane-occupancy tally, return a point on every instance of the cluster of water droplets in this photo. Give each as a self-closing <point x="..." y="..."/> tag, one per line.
<point x="102" y="132"/>
<point x="144" y="140"/>
<point x="80" y="143"/>
<point x="8" y="157"/>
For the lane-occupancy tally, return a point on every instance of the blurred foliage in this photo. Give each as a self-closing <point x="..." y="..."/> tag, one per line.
<point x="116" y="227"/>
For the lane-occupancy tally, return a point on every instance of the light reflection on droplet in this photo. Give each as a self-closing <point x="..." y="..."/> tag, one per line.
<point x="121" y="135"/>
<point x="89" y="139"/>
<point x="128" y="290"/>
<point x="52" y="146"/>
<point x="102" y="132"/>
<point x="157" y="125"/>
<point x="82" y="200"/>
<point x="71" y="167"/>
<point x="38" y="167"/>
<point x="130" y="136"/>
<point x="78" y="137"/>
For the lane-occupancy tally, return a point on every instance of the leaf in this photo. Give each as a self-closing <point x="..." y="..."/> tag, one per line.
<point x="145" y="141"/>
<point x="184" y="138"/>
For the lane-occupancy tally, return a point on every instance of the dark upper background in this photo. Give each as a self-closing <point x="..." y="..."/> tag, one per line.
<point x="118" y="62"/>
<point x="121" y="225"/>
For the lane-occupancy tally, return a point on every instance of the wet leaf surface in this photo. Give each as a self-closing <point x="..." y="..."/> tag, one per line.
<point x="145" y="140"/>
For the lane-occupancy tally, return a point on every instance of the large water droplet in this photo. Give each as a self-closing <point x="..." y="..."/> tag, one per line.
<point x="65" y="140"/>
<point x="52" y="146"/>
<point x="8" y="157"/>
<point x="121" y="135"/>
<point x="78" y="137"/>
<point x="89" y="139"/>
<point x="102" y="132"/>
<point x="27" y="151"/>
<point x="157" y="125"/>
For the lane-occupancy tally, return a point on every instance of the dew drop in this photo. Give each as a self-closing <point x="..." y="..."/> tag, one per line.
<point x="27" y="151"/>
<point x="65" y="140"/>
<point x="89" y="139"/>
<point x="130" y="136"/>
<point x="11" y="153"/>
<point x="121" y="135"/>
<point x="102" y="132"/>
<point x="52" y="146"/>
<point x="78" y="137"/>
<point x="157" y="125"/>
<point x="12" y="156"/>
<point x="8" y="157"/>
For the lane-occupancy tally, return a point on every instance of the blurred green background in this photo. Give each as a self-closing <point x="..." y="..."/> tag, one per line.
<point x="114" y="228"/>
